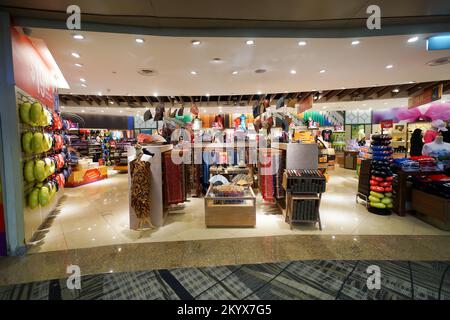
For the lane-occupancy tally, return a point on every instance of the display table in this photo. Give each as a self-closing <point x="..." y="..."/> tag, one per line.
<point x="233" y="211"/>
<point x="84" y="176"/>
<point x="401" y="188"/>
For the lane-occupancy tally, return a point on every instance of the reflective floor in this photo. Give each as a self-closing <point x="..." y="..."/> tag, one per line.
<point x="305" y="280"/>
<point x="97" y="215"/>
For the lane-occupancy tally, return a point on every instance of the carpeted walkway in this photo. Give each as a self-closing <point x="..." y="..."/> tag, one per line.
<point x="317" y="279"/>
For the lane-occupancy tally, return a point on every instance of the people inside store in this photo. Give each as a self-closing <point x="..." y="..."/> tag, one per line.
<point x="416" y="143"/>
<point x="436" y="127"/>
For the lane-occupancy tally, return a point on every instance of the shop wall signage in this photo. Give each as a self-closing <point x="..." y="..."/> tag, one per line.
<point x="427" y="96"/>
<point x="387" y="124"/>
<point x="32" y="73"/>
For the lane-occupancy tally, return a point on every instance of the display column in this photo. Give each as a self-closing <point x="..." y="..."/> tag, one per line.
<point x="11" y="166"/>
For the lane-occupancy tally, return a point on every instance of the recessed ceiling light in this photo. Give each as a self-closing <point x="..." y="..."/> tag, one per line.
<point x="120" y="111"/>
<point x="79" y="65"/>
<point x="385" y="103"/>
<point x="285" y="91"/>
<point x="207" y="94"/>
<point x="293" y="72"/>
<point x="396" y="90"/>
<point x="82" y="110"/>
<point x="111" y="102"/>
<point x="82" y="79"/>
<point x="343" y="88"/>
<point x="355" y="42"/>
<point x="99" y="93"/>
<point x="76" y="55"/>
<point x="250" y="42"/>
<point x="103" y="111"/>
<point x="195" y="42"/>
<point x="84" y="85"/>
<point x="413" y="39"/>
<point x="389" y="66"/>
<point x="324" y="107"/>
<point x="364" y="105"/>
<point x="234" y="72"/>
<point x="78" y="36"/>
<point x="193" y="72"/>
<point x="322" y="71"/>
<point x="302" y="43"/>
<point x="139" y="40"/>
<point x="411" y="82"/>
<point x="259" y="92"/>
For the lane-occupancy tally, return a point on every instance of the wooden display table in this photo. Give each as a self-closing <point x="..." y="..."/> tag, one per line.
<point x="86" y="175"/>
<point x="401" y="191"/>
<point x="230" y="211"/>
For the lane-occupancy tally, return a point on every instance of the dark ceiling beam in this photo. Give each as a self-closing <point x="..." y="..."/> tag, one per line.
<point x="307" y="95"/>
<point x="114" y="98"/>
<point x="326" y="94"/>
<point x="402" y="89"/>
<point x="97" y="100"/>
<point x="63" y="98"/>
<point x="74" y="99"/>
<point x="333" y="94"/>
<point x="84" y="98"/>
<point x="125" y="98"/>
<point x="422" y="87"/>
<point x="363" y="91"/>
<point x="148" y="100"/>
<point x="385" y="90"/>
<point x="343" y="93"/>
<point x="374" y="90"/>
<point x="348" y="92"/>
<point x="105" y="99"/>
<point x="137" y="100"/>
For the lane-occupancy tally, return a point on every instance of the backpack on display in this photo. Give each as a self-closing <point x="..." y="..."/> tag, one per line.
<point x="148" y="115"/>
<point x="159" y="112"/>
<point x="256" y="110"/>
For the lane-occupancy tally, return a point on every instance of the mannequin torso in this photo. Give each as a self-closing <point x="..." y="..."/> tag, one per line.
<point x="435" y="148"/>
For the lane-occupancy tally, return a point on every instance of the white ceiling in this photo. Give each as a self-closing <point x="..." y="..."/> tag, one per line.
<point x="174" y="58"/>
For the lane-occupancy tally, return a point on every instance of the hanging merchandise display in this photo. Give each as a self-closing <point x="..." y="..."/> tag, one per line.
<point x="380" y="198"/>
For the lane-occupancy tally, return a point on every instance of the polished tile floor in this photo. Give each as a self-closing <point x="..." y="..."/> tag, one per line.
<point x="289" y="280"/>
<point x="97" y="215"/>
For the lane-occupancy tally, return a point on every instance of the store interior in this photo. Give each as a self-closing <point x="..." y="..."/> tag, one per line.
<point x="212" y="138"/>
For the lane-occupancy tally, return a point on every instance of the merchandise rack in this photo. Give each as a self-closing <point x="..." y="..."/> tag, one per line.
<point x="303" y="196"/>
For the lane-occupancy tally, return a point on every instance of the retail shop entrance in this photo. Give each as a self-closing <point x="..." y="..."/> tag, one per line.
<point x="212" y="138"/>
